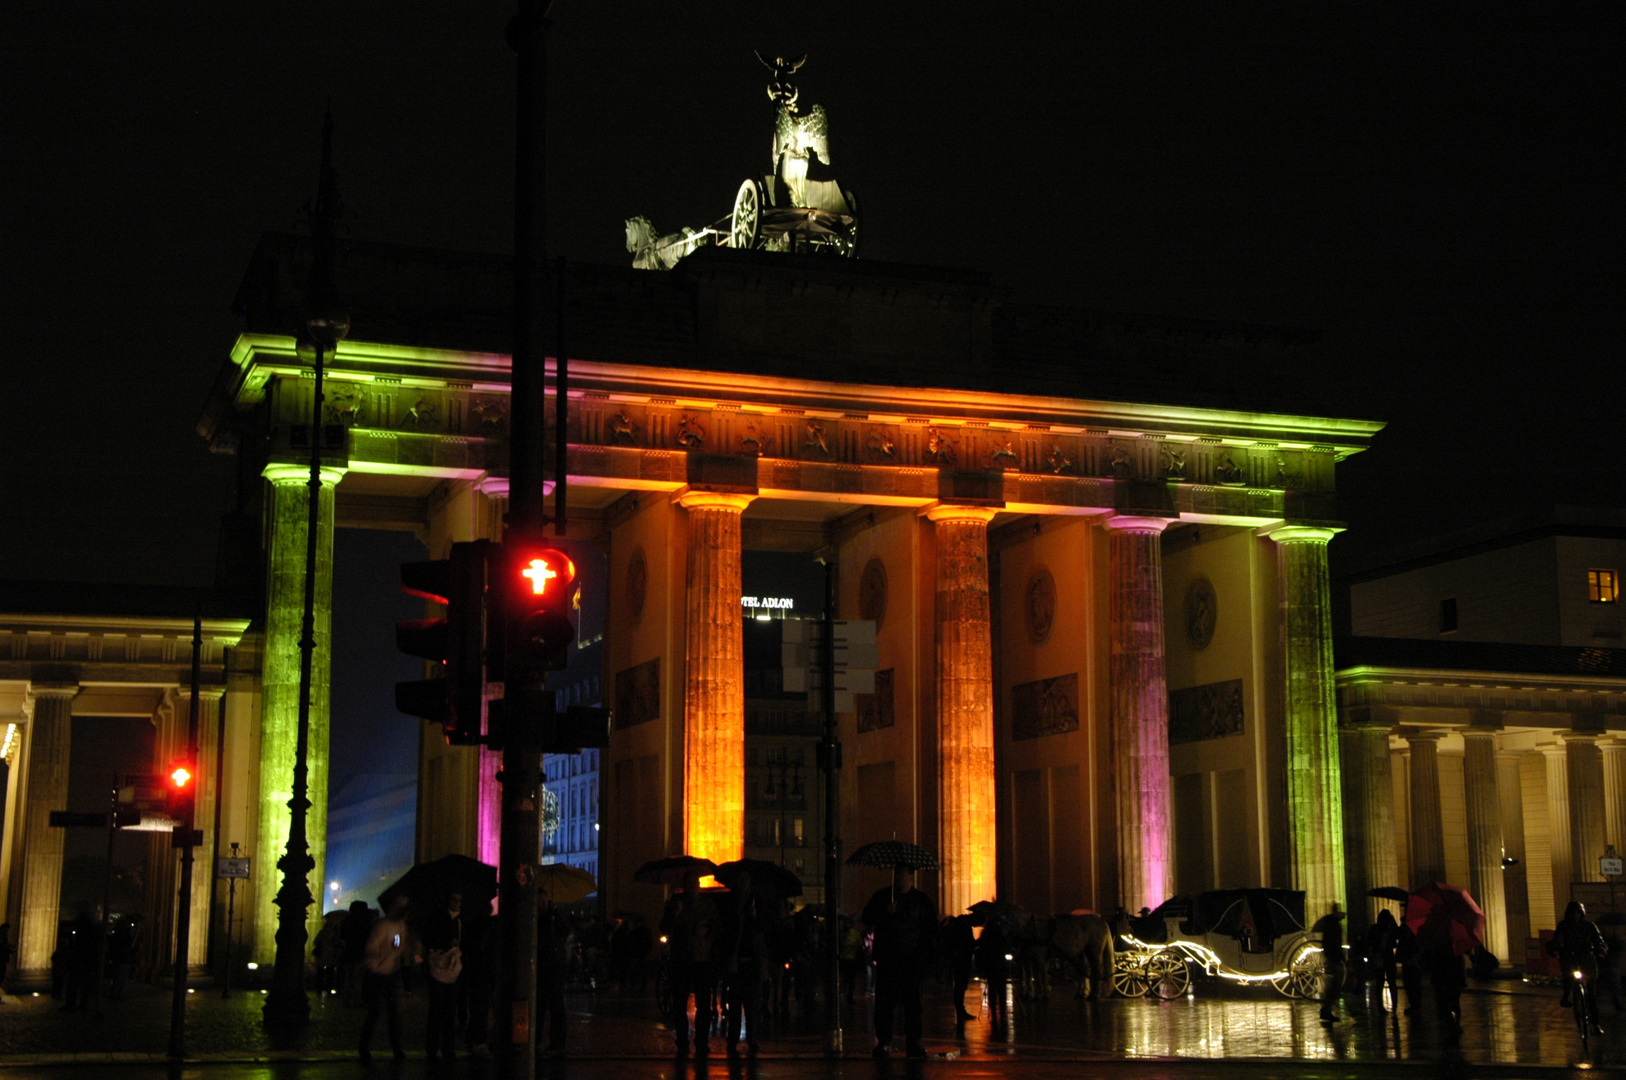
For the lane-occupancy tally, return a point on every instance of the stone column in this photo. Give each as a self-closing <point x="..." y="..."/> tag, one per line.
<point x="1584" y="766"/>
<point x="1614" y="791"/>
<point x="1374" y="811"/>
<point x="1315" y="801"/>
<point x="287" y="511"/>
<point x="1485" y="835"/>
<point x="1139" y="689"/>
<point x="1427" y="824"/>
<point x="714" y="680"/>
<point x="203" y="866"/>
<point x="50" y="736"/>
<point x="965" y="707"/>
<point x="1558" y="825"/>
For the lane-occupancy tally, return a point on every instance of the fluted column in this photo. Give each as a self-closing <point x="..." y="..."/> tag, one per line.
<point x="965" y="707"/>
<point x="1485" y="835"/>
<point x="208" y="792"/>
<point x="1374" y="811"/>
<point x="1427" y="822"/>
<point x="1555" y="759"/>
<point x="50" y="736"/>
<point x="1139" y="689"/>
<point x="714" y="680"/>
<point x="288" y="510"/>
<point x="1614" y="794"/>
<point x="1584" y="765"/>
<point x="1315" y="801"/>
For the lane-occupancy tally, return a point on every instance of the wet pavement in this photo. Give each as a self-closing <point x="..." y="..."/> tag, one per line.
<point x="1510" y="1029"/>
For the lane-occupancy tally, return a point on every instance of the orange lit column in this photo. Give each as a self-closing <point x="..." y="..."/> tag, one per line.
<point x="1314" y="780"/>
<point x="965" y="707"/>
<point x="714" y="680"/>
<point x="49" y="737"/>
<point x="1138" y="684"/>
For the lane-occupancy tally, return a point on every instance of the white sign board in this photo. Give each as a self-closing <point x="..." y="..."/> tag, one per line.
<point x="1611" y="867"/>
<point x="231" y="868"/>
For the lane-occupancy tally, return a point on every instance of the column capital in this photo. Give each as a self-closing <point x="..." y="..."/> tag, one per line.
<point x="53" y="690"/>
<point x="1137" y="523"/>
<point x="1301" y="534"/>
<point x="953" y="512"/>
<point x="1431" y="735"/>
<point x="1579" y="736"/>
<point x="1468" y="733"/>
<point x="282" y="472"/>
<point x="714" y="500"/>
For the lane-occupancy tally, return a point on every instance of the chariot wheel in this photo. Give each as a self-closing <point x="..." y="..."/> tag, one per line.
<point x="747" y="224"/>
<point x="1303" y="977"/>
<point x="1168" y="975"/>
<point x="1129" y="977"/>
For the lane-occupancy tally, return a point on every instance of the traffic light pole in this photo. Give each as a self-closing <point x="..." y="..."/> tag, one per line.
<point x="832" y="823"/>
<point x="522" y="758"/>
<point x="183" y="912"/>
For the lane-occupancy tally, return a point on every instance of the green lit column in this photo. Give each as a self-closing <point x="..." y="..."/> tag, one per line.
<point x="288" y="511"/>
<point x="1315" y="803"/>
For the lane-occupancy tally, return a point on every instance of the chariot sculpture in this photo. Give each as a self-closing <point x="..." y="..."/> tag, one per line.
<point x="798" y="207"/>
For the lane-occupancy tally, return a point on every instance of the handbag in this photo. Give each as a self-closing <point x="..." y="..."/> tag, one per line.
<point x="446" y="965"/>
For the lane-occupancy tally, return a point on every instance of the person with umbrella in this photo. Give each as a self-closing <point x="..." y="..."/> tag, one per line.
<point x="442" y="937"/>
<point x="904" y="922"/>
<point x="743" y="958"/>
<point x="1331" y="928"/>
<point x="691" y="924"/>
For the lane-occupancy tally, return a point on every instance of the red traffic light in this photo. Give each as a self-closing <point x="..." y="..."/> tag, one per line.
<point x="545" y="574"/>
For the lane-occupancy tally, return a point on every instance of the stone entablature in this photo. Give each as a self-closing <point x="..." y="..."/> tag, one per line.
<point x="445" y="413"/>
<point x="104" y="653"/>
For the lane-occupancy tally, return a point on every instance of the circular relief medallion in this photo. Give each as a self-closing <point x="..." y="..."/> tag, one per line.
<point x="872" y="593"/>
<point x="1039" y="606"/>
<point x="636" y="584"/>
<point x="1202" y="611"/>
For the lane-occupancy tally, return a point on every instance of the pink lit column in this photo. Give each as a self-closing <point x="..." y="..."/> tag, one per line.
<point x="1138" y="683"/>
<point x="1315" y="799"/>
<point x="714" y="680"/>
<point x="965" y="706"/>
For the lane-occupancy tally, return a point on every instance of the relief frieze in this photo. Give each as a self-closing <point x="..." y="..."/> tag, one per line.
<point x="638" y="694"/>
<point x="1044" y="707"/>
<point x="1210" y="711"/>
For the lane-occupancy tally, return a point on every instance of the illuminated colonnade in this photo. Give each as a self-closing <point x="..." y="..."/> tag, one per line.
<point x="965" y="707"/>
<point x="714" y="680"/>
<point x="49" y="738"/>
<point x="288" y="512"/>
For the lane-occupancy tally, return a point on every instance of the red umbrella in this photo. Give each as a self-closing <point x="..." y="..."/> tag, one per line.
<point x="1445" y="918"/>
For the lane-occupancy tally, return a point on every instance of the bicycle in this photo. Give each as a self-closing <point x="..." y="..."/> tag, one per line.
<point x="1586" y="1017"/>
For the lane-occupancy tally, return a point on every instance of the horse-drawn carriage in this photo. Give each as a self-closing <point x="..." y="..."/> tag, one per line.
<point x="798" y="207"/>
<point x="1240" y="935"/>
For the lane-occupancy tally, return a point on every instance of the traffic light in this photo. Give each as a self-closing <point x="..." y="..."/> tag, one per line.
<point x="456" y="642"/>
<point x="536" y="590"/>
<point x="180" y="791"/>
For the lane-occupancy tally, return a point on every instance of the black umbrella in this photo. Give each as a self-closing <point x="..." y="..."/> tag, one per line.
<point x="1389" y="892"/>
<point x="887" y="853"/>
<point x="429" y="884"/>
<point x="673" y="869"/>
<point x="766" y="877"/>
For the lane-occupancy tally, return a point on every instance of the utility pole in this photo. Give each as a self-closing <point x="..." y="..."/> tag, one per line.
<point x="830" y="761"/>
<point x="527" y="519"/>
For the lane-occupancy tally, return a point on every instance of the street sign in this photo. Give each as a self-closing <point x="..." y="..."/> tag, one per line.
<point x="1611" y="867"/>
<point x="68" y="819"/>
<point x="144" y="791"/>
<point x="855" y="652"/>
<point x="231" y="868"/>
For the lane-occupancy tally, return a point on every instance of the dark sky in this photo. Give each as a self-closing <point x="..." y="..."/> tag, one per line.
<point x="1430" y="186"/>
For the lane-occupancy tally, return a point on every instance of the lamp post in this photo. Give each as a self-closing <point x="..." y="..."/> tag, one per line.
<point x="325" y="326"/>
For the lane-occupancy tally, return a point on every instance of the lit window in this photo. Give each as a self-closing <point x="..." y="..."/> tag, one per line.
<point x="1448" y="616"/>
<point x="1603" y="586"/>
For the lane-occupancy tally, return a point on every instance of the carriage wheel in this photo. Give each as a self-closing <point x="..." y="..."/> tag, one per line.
<point x="1129" y="977"/>
<point x="1303" y="978"/>
<point x="1168" y="974"/>
<point x="747" y="225"/>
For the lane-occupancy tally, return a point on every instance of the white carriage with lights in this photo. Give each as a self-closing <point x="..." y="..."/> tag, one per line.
<point x="1240" y="935"/>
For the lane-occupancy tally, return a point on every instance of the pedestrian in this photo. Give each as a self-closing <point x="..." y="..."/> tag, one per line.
<point x="1408" y="954"/>
<point x="481" y="963"/>
<point x="1579" y="945"/>
<point x="552" y="966"/>
<point x="354" y="933"/>
<point x="442" y="938"/>
<point x="744" y="959"/>
<point x="691" y="923"/>
<point x="904" y="921"/>
<point x="1380" y="960"/>
<point x="851" y="957"/>
<point x="1446" y="974"/>
<point x="328" y="950"/>
<point x="995" y="956"/>
<point x="960" y="943"/>
<point x="389" y="948"/>
<point x="121" y="954"/>
<point x="82" y="957"/>
<point x="1331" y="928"/>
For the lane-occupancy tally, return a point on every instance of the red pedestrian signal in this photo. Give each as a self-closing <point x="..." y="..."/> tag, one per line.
<point x="536" y="590"/>
<point x="180" y="791"/>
